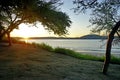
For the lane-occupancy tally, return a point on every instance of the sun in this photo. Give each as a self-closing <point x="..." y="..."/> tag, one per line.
<point x="25" y="31"/>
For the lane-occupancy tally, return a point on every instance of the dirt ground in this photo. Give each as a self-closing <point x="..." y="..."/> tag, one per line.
<point x="25" y="62"/>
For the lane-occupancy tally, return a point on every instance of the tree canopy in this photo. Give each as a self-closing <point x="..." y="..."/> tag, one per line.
<point x="15" y="12"/>
<point x="105" y="16"/>
<point x="104" y="13"/>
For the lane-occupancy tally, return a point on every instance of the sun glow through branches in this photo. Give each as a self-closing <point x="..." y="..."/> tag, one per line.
<point x="25" y="31"/>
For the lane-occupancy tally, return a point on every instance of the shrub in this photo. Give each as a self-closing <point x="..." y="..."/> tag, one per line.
<point x="43" y="46"/>
<point x="72" y="53"/>
<point x="77" y="55"/>
<point x="115" y="60"/>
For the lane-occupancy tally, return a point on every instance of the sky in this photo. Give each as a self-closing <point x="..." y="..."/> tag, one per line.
<point x="78" y="27"/>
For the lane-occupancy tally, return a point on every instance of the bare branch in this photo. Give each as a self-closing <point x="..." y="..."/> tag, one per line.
<point x="118" y="34"/>
<point x="92" y="2"/>
<point x="15" y="19"/>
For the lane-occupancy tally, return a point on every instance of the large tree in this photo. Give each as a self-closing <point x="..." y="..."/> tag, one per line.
<point x="105" y="17"/>
<point x="15" y="12"/>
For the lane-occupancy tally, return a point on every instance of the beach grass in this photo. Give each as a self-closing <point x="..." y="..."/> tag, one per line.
<point x="28" y="62"/>
<point x="72" y="53"/>
<point x="115" y="60"/>
<point x="77" y="54"/>
<point x="44" y="46"/>
<point x="68" y="52"/>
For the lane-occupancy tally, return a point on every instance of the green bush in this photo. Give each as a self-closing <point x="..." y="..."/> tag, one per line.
<point x="115" y="60"/>
<point x="43" y="46"/>
<point x="63" y="51"/>
<point x="72" y="53"/>
<point x="46" y="47"/>
<point x="77" y="55"/>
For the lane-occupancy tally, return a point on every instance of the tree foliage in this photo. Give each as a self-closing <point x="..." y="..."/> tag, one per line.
<point x="15" y="12"/>
<point x="105" y="16"/>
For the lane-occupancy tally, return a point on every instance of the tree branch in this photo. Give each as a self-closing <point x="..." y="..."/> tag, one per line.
<point x="118" y="34"/>
<point x="14" y="19"/>
<point x="9" y="15"/>
<point x="92" y="2"/>
<point x="82" y="2"/>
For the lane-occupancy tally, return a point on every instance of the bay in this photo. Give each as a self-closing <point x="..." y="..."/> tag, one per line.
<point x="80" y="45"/>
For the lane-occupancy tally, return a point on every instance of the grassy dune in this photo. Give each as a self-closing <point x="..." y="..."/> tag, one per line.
<point x="28" y="62"/>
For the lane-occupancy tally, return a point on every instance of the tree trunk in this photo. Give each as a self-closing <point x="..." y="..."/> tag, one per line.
<point x="0" y="38"/>
<point x="9" y="39"/>
<point x="3" y="34"/>
<point x="108" y="47"/>
<point x="108" y="53"/>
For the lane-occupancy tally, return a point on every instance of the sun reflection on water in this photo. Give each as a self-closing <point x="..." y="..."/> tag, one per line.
<point x="26" y="39"/>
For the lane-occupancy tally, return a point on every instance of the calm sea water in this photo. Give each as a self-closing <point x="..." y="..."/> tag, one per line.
<point x="79" y="45"/>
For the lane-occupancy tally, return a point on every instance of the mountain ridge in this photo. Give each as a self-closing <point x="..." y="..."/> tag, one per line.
<point x="89" y="36"/>
<point x="93" y="36"/>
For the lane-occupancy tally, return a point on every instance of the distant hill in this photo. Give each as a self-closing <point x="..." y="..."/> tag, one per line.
<point x="90" y="36"/>
<point x="93" y="36"/>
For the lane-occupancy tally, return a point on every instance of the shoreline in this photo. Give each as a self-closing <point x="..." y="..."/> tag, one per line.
<point x="75" y="47"/>
<point x="98" y="54"/>
<point x="28" y="62"/>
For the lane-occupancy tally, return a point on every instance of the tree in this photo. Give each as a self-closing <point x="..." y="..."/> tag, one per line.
<point x="15" y="12"/>
<point x="105" y="16"/>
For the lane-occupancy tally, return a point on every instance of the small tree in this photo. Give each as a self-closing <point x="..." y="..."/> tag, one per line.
<point x="15" y="12"/>
<point x="105" y="16"/>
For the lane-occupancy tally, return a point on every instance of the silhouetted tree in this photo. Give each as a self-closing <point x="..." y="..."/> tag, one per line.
<point x="15" y="12"/>
<point x="105" y="16"/>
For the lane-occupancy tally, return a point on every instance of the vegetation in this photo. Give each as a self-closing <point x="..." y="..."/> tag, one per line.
<point x="105" y="17"/>
<point x="15" y="12"/>
<point x="76" y="54"/>
<point x="44" y="46"/>
<point x="25" y="62"/>
<point x="114" y="60"/>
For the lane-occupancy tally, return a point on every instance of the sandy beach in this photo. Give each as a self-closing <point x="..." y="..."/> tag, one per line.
<point x="26" y="62"/>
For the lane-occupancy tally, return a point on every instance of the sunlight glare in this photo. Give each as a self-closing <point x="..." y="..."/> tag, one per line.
<point x="26" y="40"/>
<point x="25" y="31"/>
